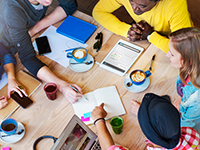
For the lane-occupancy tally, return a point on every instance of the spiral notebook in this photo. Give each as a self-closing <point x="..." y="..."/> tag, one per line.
<point x="76" y="29"/>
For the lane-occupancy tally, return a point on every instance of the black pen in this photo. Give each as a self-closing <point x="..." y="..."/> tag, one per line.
<point x="76" y="90"/>
<point x="152" y="62"/>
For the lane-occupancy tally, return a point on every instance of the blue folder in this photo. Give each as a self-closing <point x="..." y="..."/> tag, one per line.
<point x="76" y="29"/>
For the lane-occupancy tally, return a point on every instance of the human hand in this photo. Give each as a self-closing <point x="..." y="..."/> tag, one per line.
<point x="98" y="112"/>
<point x="134" y="33"/>
<point x="13" y="85"/>
<point x="146" y="29"/>
<point x="69" y="93"/>
<point x="3" y="102"/>
<point x="134" y="107"/>
<point x="177" y="103"/>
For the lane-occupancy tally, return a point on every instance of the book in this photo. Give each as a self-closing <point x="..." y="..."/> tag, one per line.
<point x="28" y="82"/>
<point x="107" y="95"/>
<point x="76" y="29"/>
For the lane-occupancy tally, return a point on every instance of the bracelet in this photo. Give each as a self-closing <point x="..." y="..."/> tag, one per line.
<point x="98" y="119"/>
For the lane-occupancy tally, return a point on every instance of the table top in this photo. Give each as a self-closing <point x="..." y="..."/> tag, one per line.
<point x="47" y="117"/>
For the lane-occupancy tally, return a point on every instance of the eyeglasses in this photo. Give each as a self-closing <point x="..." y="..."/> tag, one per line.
<point x="99" y="41"/>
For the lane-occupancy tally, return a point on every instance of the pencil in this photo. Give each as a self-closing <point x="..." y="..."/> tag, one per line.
<point x="68" y="50"/>
<point x="76" y="90"/>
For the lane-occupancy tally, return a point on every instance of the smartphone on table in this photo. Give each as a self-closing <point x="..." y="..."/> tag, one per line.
<point x="22" y="101"/>
<point x="43" y="45"/>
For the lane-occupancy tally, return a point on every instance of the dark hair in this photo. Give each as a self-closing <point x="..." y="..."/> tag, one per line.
<point x="187" y="42"/>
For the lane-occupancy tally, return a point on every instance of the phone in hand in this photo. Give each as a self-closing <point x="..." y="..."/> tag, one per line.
<point x="43" y="45"/>
<point x="22" y="101"/>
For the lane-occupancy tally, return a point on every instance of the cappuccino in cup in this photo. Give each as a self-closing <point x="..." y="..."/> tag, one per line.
<point x="79" y="53"/>
<point x="138" y="76"/>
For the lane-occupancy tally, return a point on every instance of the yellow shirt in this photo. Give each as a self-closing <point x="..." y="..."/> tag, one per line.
<point x="165" y="17"/>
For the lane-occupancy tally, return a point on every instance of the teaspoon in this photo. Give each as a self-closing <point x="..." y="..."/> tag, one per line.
<point x="18" y="133"/>
<point x="87" y="63"/>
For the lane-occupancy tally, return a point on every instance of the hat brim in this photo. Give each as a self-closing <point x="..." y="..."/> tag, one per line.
<point x="146" y="125"/>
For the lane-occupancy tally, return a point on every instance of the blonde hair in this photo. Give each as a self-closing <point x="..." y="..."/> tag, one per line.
<point x="187" y="42"/>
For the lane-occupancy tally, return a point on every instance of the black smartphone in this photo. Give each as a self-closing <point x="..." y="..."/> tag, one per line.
<point x="43" y="45"/>
<point x="22" y="101"/>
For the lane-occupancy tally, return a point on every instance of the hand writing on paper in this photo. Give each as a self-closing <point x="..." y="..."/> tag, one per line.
<point x="98" y="112"/>
<point x="3" y="102"/>
<point x="69" y="93"/>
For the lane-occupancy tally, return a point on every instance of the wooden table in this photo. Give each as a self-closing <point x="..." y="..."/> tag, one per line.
<point x="47" y="117"/>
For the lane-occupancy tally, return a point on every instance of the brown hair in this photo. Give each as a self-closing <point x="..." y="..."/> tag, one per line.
<point x="187" y="42"/>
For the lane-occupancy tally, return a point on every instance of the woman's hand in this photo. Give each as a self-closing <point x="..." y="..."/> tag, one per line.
<point x="98" y="112"/>
<point x="3" y="102"/>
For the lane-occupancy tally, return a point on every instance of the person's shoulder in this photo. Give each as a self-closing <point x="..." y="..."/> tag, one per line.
<point x="173" y="3"/>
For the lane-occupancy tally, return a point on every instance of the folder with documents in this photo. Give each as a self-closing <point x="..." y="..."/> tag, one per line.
<point x="76" y="29"/>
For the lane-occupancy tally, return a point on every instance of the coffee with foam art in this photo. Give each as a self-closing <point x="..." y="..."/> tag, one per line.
<point x="138" y="76"/>
<point x="79" y="53"/>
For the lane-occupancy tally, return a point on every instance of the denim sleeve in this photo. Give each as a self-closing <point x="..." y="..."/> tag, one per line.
<point x="190" y="110"/>
<point x="8" y="58"/>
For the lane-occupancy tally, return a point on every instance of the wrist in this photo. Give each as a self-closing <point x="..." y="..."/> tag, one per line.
<point x="99" y="120"/>
<point x="148" y="36"/>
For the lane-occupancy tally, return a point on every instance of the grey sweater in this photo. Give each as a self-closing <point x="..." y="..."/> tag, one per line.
<point x="16" y="18"/>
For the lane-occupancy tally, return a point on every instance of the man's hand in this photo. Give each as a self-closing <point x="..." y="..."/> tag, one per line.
<point x="98" y="112"/>
<point x="3" y="102"/>
<point x="146" y="29"/>
<point x="69" y="93"/>
<point x="134" y="33"/>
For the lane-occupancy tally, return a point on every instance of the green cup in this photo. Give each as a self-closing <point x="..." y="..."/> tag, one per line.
<point x="117" y="124"/>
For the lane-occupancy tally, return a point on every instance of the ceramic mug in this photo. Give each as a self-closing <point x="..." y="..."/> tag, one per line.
<point x="8" y="126"/>
<point x="78" y="54"/>
<point x="138" y="77"/>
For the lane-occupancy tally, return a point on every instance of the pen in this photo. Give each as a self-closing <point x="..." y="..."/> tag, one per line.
<point x="76" y="90"/>
<point x="71" y="49"/>
<point x="152" y="62"/>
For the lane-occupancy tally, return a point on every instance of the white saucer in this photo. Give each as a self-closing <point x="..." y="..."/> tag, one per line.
<point x="13" y="138"/>
<point x="81" y="67"/>
<point x="136" y="88"/>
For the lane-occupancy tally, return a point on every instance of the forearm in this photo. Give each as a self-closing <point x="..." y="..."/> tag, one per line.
<point x="102" y="13"/>
<point x="46" y="75"/>
<point x="10" y="71"/>
<point x="159" y="41"/>
<point x="104" y="136"/>
<point x="57" y="15"/>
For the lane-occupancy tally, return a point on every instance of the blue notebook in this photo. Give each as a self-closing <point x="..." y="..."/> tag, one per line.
<point x="76" y="29"/>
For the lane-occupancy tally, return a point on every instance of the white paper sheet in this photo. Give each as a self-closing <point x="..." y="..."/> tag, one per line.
<point x="3" y="81"/>
<point x="58" y="44"/>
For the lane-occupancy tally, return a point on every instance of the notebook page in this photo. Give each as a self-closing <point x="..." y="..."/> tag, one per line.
<point x="112" y="102"/>
<point x="83" y="106"/>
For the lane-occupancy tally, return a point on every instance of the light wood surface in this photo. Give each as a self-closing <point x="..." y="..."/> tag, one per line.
<point x="47" y="117"/>
<point x="28" y="82"/>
